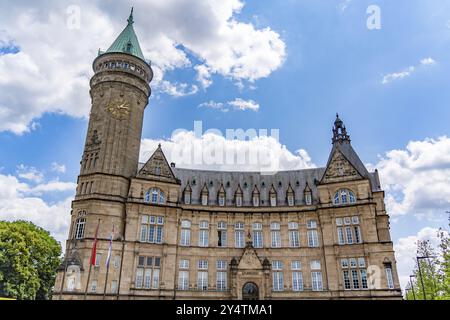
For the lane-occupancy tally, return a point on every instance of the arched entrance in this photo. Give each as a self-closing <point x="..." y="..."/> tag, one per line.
<point x="250" y="291"/>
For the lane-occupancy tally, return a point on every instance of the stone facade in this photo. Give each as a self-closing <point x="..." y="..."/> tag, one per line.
<point x="177" y="233"/>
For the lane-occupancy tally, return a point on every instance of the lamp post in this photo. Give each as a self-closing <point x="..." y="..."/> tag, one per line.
<point x="412" y="286"/>
<point x="420" y="273"/>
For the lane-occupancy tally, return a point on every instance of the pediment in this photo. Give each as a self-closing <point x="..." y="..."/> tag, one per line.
<point x="157" y="168"/>
<point x="340" y="169"/>
<point x="249" y="260"/>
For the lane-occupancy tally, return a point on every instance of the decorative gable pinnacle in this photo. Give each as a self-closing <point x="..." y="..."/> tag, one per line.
<point x="339" y="131"/>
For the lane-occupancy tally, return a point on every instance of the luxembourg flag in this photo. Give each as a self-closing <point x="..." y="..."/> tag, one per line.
<point x="108" y="258"/>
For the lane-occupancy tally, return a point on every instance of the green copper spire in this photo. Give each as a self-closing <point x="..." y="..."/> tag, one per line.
<point x="127" y="41"/>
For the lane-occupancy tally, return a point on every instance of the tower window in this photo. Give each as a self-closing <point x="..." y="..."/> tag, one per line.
<point x="79" y="229"/>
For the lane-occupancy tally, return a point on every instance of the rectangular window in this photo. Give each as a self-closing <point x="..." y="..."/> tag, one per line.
<point x="296" y="265"/>
<point x="187" y="198"/>
<point x="339" y="221"/>
<point x="347" y="220"/>
<point x="313" y="239"/>
<point x="203" y="264"/>
<point x="185" y="239"/>
<point x="277" y="278"/>
<point x="155" y="279"/>
<point x="183" y="280"/>
<point x="389" y="278"/>
<point x="341" y="239"/>
<point x="184" y="264"/>
<point x="277" y="265"/>
<point x="297" y="281"/>
<point x="79" y="231"/>
<point x="315" y="265"/>
<point x="139" y="277"/>
<point x="344" y="263"/>
<point x="357" y="234"/>
<point x="148" y="278"/>
<point x="238" y="201"/>
<point x="294" y="241"/>
<point x="221" y="265"/>
<point x="98" y="258"/>
<point x="221" y="280"/>
<point x="363" y="274"/>
<point x="239" y="238"/>
<point x="276" y="239"/>
<point x="152" y="229"/>
<point x="257" y="239"/>
<point x="94" y="286"/>
<point x="353" y="262"/>
<point x="311" y="224"/>
<point x="316" y="277"/>
<point x="116" y="262"/>
<point x="361" y="263"/>
<point x="222" y="238"/>
<point x="114" y="286"/>
<point x="203" y="238"/>
<point x="355" y="279"/>
<point x="346" y="280"/>
<point x="349" y="234"/>
<point x="202" y="280"/>
<point x="355" y="220"/>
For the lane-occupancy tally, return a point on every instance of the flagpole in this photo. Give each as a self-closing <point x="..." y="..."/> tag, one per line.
<point x="90" y="260"/>
<point x="108" y="260"/>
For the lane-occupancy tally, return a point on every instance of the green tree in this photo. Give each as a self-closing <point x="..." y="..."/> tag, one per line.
<point x="29" y="258"/>
<point x="444" y="268"/>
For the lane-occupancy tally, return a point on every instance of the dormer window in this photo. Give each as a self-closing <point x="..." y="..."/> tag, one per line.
<point x="204" y="199"/>
<point x="239" y="200"/>
<point x="204" y="195"/>
<point x="221" y="200"/>
<point x="344" y="196"/>
<point x="256" y="200"/>
<point x="273" y="197"/>
<point x="308" y="195"/>
<point x="308" y="199"/>
<point x="187" y="198"/>
<point x="290" y="199"/>
<point x="273" y="200"/>
<point x="221" y="196"/>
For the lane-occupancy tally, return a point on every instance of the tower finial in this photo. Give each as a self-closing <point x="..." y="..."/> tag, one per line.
<point x="339" y="131"/>
<point x="130" y="18"/>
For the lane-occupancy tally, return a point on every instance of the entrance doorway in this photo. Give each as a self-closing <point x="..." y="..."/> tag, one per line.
<point x="250" y="291"/>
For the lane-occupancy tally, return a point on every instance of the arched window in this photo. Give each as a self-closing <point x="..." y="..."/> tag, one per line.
<point x="344" y="196"/>
<point x="155" y="195"/>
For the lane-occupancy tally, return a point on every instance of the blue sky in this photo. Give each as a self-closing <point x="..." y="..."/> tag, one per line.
<point x="329" y="61"/>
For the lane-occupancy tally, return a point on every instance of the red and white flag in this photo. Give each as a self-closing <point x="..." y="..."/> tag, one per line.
<point x="94" y="247"/>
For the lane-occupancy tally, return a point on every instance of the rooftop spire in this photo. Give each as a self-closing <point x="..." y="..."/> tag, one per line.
<point x="130" y="18"/>
<point x="339" y="131"/>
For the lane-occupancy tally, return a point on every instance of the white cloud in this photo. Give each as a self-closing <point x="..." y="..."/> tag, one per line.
<point x="427" y="61"/>
<point x="244" y="105"/>
<point x="177" y="89"/>
<point x="59" y="168"/>
<point x="203" y="75"/>
<point x="17" y="201"/>
<point x="417" y="179"/>
<point x="398" y="75"/>
<point x="214" y="105"/>
<point x="405" y="252"/>
<point x="29" y="173"/>
<point x="209" y="151"/>
<point x="52" y="70"/>
<point x="236" y="104"/>
<point x="344" y="4"/>
<point x="406" y="72"/>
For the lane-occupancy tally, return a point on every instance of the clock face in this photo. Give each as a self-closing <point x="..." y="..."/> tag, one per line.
<point x="119" y="109"/>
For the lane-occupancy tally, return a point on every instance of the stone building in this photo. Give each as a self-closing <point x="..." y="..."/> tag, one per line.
<point x="319" y="233"/>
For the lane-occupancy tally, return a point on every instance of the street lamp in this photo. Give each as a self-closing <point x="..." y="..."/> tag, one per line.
<point x="420" y="273"/>
<point x="412" y="286"/>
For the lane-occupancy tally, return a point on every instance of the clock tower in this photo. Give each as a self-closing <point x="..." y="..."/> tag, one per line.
<point x="119" y="94"/>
